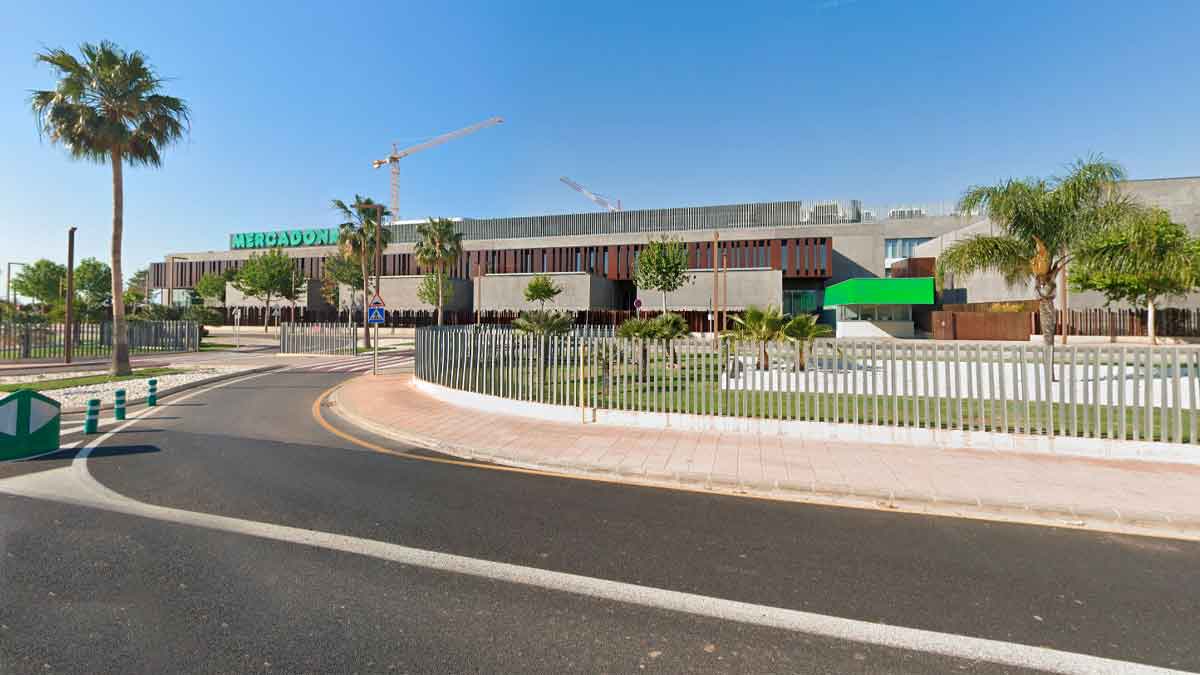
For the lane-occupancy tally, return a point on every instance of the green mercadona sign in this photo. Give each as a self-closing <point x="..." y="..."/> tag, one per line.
<point x="320" y="236"/>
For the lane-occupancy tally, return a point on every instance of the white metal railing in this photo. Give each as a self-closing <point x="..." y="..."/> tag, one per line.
<point x="1122" y="392"/>
<point x="318" y="338"/>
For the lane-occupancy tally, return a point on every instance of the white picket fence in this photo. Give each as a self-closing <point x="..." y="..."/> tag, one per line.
<point x="1109" y="391"/>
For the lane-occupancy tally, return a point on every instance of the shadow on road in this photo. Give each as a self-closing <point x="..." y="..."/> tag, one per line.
<point x="122" y="450"/>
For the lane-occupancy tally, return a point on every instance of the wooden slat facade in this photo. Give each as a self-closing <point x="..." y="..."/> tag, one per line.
<point x="808" y="257"/>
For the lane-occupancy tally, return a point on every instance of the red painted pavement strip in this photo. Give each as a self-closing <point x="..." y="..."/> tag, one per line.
<point x="1164" y="498"/>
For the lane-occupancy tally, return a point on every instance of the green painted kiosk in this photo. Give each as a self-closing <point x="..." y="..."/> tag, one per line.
<point x="29" y="424"/>
<point x="878" y="308"/>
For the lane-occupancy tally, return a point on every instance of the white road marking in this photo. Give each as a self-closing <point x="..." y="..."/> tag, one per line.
<point x="75" y="485"/>
<point x="353" y="364"/>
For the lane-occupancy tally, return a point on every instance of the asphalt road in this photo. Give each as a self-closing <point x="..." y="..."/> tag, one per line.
<point x="85" y="590"/>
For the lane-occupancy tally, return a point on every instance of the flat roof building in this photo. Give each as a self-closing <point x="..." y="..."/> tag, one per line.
<point x="783" y="253"/>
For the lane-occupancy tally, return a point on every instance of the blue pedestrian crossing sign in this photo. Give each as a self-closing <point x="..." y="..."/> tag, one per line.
<point x="375" y="311"/>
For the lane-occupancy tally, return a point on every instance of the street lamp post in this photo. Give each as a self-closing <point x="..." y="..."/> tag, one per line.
<point x="170" y="297"/>
<point x="69" y="329"/>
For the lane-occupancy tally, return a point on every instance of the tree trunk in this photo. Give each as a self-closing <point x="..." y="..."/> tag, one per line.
<point x="664" y="302"/>
<point x="763" y="363"/>
<point x="1046" y="312"/>
<point x="267" y="314"/>
<point x="1150" y="322"/>
<point x="120" y="347"/>
<point x="440" y="308"/>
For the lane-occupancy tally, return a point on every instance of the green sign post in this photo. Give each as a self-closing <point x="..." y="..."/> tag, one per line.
<point x="320" y="236"/>
<point x="29" y="424"/>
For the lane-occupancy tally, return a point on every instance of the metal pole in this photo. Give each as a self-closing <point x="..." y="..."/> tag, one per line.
<point x="68" y="333"/>
<point x="716" y="298"/>
<point x="725" y="292"/>
<point x="171" y="281"/>
<point x="9" y="292"/>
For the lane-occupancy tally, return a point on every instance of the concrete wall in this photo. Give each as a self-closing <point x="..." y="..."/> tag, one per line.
<point x="875" y="329"/>
<point x="746" y="287"/>
<point x="400" y="293"/>
<point x="311" y="297"/>
<point x="581" y="291"/>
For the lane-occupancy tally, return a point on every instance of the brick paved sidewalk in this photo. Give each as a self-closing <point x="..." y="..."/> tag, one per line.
<point x="1129" y="496"/>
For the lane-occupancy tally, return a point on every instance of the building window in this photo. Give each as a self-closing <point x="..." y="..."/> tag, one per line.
<point x="902" y="247"/>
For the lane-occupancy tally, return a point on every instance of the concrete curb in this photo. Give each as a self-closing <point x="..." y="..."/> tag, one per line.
<point x="163" y="393"/>
<point x="1059" y="515"/>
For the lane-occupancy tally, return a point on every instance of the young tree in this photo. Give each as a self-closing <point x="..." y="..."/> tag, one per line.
<point x="544" y="323"/>
<point x="93" y="284"/>
<point x="43" y="280"/>
<point x="542" y="289"/>
<point x="211" y="286"/>
<point x="294" y="290"/>
<point x="135" y="289"/>
<point x="356" y="240"/>
<point x="1139" y="261"/>
<point x="803" y="329"/>
<point x="266" y="276"/>
<point x="1042" y="223"/>
<point x="662" y="266"/>
<point x="761" y="326"/>
<point x="109" y="108"/>
<point x="668" y="327"/>
<point x="340" y="269"/>
<point x="439" y="247"/>
<point x="430" y="292"/>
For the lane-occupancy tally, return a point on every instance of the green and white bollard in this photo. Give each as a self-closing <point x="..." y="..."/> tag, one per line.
<point x="152" y="397"/>
<point x="91" y="424"/>
<point x="119" y="404"/>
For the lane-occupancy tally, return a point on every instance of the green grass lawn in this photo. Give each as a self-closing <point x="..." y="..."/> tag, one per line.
<point x="216" y="346"/>
<point x="691" y="386"/>
<point x="65" y="383"/>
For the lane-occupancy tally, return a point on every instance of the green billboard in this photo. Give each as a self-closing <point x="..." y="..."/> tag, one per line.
<point x="319" y="236"/>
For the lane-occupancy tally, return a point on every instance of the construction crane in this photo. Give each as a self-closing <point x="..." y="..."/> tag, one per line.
<point x="599" y="199"/>
<point x="397" y="155"/>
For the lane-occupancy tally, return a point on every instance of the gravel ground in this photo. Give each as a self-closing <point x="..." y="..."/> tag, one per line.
<point x="77" y="397"/>
<point x="49" y="375"/>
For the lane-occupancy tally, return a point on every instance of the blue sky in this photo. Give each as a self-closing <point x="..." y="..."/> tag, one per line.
<point x="661" y="105"/>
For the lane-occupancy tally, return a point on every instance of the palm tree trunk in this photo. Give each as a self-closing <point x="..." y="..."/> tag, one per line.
<point x="441" y="309"/>
<point x="1046" y="313"/>
<point x="120" y="347"/>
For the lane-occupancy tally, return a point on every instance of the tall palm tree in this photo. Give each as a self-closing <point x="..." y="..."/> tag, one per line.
<point x="1042" y="222"/>
<point x="108" y="107"/>
<point x="356" y="239"/>
<point x="438" y="246"/>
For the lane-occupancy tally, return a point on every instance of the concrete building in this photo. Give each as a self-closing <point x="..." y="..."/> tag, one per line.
<point x="1178" y="196"/>
<point x="782" y="253"/>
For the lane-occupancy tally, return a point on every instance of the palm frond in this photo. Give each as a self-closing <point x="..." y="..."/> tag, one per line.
<point x="1006" y="255"/>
